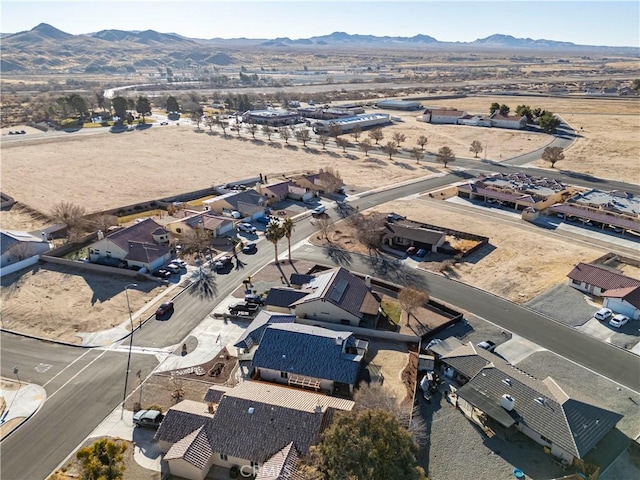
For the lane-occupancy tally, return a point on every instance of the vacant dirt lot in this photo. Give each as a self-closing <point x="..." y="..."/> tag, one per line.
<point x="520" y="262"/>
<point x="57" y="302"/>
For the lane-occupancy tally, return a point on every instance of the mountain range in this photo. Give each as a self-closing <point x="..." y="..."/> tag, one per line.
<point x="45" y="46"/>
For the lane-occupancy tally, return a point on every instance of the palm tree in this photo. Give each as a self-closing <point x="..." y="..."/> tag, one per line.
<point x="274" y="233"/>
<point x="287" y="229"/>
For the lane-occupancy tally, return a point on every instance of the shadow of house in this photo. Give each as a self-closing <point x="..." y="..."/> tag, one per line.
<point x="405" y="234"/>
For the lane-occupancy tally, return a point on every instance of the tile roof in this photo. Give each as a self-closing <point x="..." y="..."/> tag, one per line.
<point x="629" y="294"/>
<point x="601" y="277"/>
<point x="253" y="333"/>
<point x="445" y="112"/>
<point x="511" y="118"/>
<point x="215" y="393"/>
<point x="141" y="232"/>
<point x="254" y="430"/>
<point x="194" y="449"/>
<point x="342" y="288"/>
<point x="501" y="195"/>
<point x="282" y="466"/>
<point x="289" y="397"/>
<point x="145" y="252"/>
<point x="182" y="419"/>
<point x="598" y="216"/>
<point x="284" y="297"/>
<point x="280" y="189"/>
<point x="413" y="231"/>
<point x="236" y="199"/>
<point x="9" y="238"/>
<point x="206" y="220"/>
<point x="465" y="360"/>
<point x="309" y="351"/>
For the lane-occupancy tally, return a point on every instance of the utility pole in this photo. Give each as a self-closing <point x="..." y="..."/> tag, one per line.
<point x="126" y="378"/>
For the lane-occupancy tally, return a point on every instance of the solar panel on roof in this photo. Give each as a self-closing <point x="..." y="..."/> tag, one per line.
<point x="338" y="290"/>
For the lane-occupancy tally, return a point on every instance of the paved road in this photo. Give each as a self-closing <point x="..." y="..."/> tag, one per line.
<point x="83" y="387"/>
<point x="611" y="362"/>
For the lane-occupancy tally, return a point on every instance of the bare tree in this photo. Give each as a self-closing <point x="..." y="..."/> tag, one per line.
<point x="334" y="130"/>
<point x="196" y="117"/>
<point x="370" y="229"/>
<point x="399" y="137"/>
<point x="103" y="222"/>
<point x="391" y="148"/>
<point x="330" y="179"/>
<point x="303" y="135"/>
<point x="410" y="299"/>
<point x="253" y="129"/>
<point x="445" y="155"/>
<point x="196" y="241"/>
<point x="365" y="146"/>
<point x="376" y="134"/>
<point x="422" y="141"/>
<point x="285" y="134"/>
<point x="356" y="132"/>
<point x="342" y="143"/>
<point x="68" y="214"/>
<point x="553" y="155"/>
<point x="210" y="122"/>
<point x="322" y="140"/>
<point x="417" y="154"/>
<point x="476" y="147"/>
<point x="224" y="124"/>
<point x="324" y="224"/>
<point x="176" y="390"/>
<point x="268" y="131"/>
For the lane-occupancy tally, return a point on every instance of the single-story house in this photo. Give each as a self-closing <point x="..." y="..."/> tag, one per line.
<point x="253" y="333"/>
<point x="494" y="394"/>
<point x="143" y="244"/>
<point x="18" y="245"/>
<point x="475" y="121"/>
<point x="281" y="299"/>
<point x="624" y="300"/>
<point x="405" y="234"/>
<point x="216" y="224"/>
<point x="337" y="296"/>
<point x="597" y="279"/>
<point x="276" y="192"/>
<point x="249" y="204"/>
<point x="443" y="116"/>
<point x="309" y="357"/>
<point x="508" y="121"/>
<point x="258" y="428"/>
<point x="320" y="182"/>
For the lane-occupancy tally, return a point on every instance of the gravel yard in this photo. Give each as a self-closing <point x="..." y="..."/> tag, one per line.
<point x="565" y="304"/>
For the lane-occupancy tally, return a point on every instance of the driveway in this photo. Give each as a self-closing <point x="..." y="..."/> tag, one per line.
<point x="565" y="304"/>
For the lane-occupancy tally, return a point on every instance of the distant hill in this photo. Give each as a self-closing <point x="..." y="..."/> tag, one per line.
<point x="147" y="37"/>
<point x="38" y="33"/>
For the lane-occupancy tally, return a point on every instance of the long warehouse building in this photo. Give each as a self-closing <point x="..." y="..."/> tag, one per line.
<point x="347" y="124"/>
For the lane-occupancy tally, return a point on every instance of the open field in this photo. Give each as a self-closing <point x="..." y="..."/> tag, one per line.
<point x="519" y="263"/>
<point x="608" y="146"/>
<point x="54" y="301"/>
<point x="161" y="161"/>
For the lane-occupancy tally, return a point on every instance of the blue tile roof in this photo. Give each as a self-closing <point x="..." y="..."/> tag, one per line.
<point x="308" y="351"/>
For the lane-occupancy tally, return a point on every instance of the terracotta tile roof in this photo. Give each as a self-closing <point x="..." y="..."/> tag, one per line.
<point x="601" y="277"/>
<point x="629" y="294"/>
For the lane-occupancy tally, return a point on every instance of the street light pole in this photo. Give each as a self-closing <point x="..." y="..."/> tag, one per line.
<point x="126" y="378"/>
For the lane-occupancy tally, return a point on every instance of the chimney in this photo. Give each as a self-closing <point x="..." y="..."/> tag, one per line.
<point x="367" y="281"/>
<point x="100" y="235"/>
<point x="44" y="236"/>
<point x="339" y="340"/>
<point x="318" y="409"/>
<point x="507" y="402"/>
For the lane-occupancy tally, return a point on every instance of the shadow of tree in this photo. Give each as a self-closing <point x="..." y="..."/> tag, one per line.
<point x="275" y="145"/>
<point x="337" y="254"/>
<point x="406" y="166"/>
<point x="257" y="141"/>
<point x="291" y="147"/>
<point x="331" y="154"/>
<point x="312" y="150"/>
<point x="376" y="161"/>
<point x="350" y="156"/>
<point x="394" y="270"/>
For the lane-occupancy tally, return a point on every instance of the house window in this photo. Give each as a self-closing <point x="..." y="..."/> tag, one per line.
<point x="224" y="457"/>
<point x="284" y="375"/>
<point x="545" y="439"/>
<point x="254" y="465"/>
<point x="575" y="282"/>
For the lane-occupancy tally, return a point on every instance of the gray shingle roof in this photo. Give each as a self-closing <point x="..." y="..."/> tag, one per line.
<point x="413" y="232"/>
<point x="343" y="289"/>
<point x="138" y="232"/>
<point x="215" y="393"/>
<point x="145" y="252"/>
<point x="253" y="333"/>
<point x="182" y="419"/>
<point x="255" y="431"/>
<point x="247" y="197"/>
<point x="282" y="466"/>
<point x="283" y="297"/>
<point x="194" y="449"/>
<point x="601" y="277"/>
<point x="309" y="351"/>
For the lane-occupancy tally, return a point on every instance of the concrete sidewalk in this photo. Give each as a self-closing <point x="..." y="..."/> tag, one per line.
<point x="21" y="401"/>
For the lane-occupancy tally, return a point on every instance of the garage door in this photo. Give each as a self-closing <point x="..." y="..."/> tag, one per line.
<point x="619" y="306"/>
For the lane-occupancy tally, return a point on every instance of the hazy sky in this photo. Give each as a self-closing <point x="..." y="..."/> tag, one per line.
<point x="615" y="23"/>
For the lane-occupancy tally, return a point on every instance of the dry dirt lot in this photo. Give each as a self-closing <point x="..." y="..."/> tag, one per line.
<point x="55" y="301"/>
<point x="520" y="262"/>
<point x="608" y="146"/>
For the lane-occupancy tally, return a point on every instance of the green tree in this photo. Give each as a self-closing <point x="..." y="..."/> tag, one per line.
<point x="77" y="103"/>
<point x="274" y="233"/>
<point x="476" y="147"/>
<point x="504" y="109"/>
<point x="120" y="107"/>
<point x="376" y="134"/>
<point x="553" y="155"/>
<point x="367" y="445"/>
<point x="102" y="460"/>
<point x="495" y="106"/>
<point x="391" y="148"/>
<point x="422" y="141"/>
<point x="549" y="122"/>
<point x="143" y="107"/>
<point x="445" y="155"/>
<point x="288" y="227"/>
<point x="635" y="85"/>
<point x="172" y="104"/>
<point x="526" y="111"/>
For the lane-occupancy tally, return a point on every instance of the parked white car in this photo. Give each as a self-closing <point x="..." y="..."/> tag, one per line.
<point x="603" y="314"/>
<point x="319" y="210"/>
<point x="246" y="227"/>
<point x="618" y="320"/>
